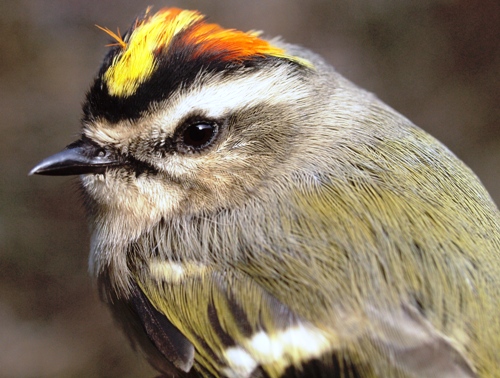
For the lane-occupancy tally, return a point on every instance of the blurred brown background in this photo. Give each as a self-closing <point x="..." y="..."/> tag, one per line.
<point x="437" y="62"/>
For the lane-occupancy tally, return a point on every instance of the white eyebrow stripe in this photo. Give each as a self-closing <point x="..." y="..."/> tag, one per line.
<point x="218" y="96"/>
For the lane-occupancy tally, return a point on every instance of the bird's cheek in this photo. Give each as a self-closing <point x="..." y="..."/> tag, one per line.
<point x="132" y="197"/>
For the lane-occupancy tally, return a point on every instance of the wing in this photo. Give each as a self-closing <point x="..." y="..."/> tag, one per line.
<point x="237" y="329"/>
<point x="165" y="348"/>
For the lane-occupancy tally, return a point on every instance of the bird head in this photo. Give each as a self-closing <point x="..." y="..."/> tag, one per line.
<point x="185" y="116"/>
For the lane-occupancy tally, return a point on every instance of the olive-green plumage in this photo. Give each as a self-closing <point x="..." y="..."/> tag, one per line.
<point x="267" y="218"/>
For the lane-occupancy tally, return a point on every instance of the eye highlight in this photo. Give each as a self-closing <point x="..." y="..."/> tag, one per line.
<point x="196" y="136"/>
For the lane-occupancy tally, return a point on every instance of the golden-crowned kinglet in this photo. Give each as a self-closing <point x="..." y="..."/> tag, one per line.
<point x="255" y="214"/>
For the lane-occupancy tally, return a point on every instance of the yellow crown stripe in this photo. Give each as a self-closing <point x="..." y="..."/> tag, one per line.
<point x="136" y="63"/>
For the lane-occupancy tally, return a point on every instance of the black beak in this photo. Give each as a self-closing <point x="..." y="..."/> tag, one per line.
<point x="80" y="157"/>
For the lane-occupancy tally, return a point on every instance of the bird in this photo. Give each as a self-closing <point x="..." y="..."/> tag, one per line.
<point x="253" y="213"/>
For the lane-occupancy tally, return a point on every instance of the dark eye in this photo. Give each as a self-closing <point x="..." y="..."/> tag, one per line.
<point x="198" y="135"/>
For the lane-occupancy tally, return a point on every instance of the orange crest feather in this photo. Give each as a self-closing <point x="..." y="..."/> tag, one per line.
<point x="152" y="35"/>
